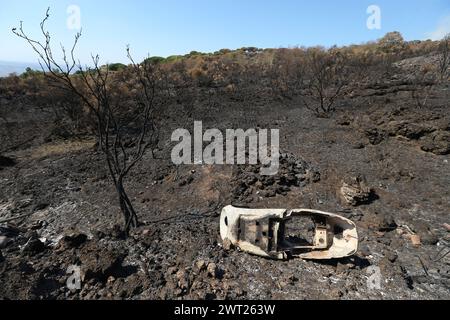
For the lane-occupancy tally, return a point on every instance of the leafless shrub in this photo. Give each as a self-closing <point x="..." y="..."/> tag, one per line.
<point x="287" y="72"/>
<point x="125" y="130"/>
<point x="328" y="79"/>
<point x="444" y="59"/>
<point x="423" y="83"/>
<point x="432" y="74"/>
<point x="184" y="91"/>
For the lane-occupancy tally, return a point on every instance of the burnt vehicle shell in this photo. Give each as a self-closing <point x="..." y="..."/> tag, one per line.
<point x="263" y="232"/>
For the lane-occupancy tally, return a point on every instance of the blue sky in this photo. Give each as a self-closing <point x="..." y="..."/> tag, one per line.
<point x="166" y="27"/>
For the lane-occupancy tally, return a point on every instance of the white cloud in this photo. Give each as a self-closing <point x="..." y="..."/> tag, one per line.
<point x="442" y="29"/>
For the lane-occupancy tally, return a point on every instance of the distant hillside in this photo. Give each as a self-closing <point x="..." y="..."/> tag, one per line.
<point x="7" y="67"/>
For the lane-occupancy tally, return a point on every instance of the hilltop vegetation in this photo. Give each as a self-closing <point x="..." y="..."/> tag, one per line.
<point x="277" y="73"/>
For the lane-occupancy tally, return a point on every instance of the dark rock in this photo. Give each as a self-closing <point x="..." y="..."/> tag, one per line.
<point x="37" y="225"/>
<point x="314" y="176"/>
<point x="422" y="229"/>
<point x="9" y="231"/>
<point x="414" y="131"/>
<point x="343" y="267"/>
<point x="212" y="269"/>
<point x="98" y="234"/>
<point x="283" y="190"/>
<point x="74" y="240"/>
<point x="116" y="232"/>
<point x="40" y="206"/>
<point x="268" y="193"/>
<point x="355" y="191"/>
<point x="4" y="242"/>
<point x="33" y="246"/>
<point x="391" y="256"/>
<point x="382" y="222"/>
<point x="292" y="278"/>
<point x="7" y="162"/>
<point x="26" y="268"/>
<point x="387" y="223"/>
<point x="358" y="145"/>
<point x="292" y="172"/>
<point x="186" y="181"/>
<point x="344" y="121"/>
<point x="364" y="250"/>
<point x="100" y="263"/>
<point x="375" y="136"/>
<point x="444" y="125"/>
<point x="438" y="143"/>
<point x="429" y="238"/>
<point x="411" y="131"/>
<point x="149" y="236"/>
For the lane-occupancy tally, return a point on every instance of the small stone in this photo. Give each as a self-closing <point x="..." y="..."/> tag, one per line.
<point x="391" y="256"/>
<point x="180" y="274"/>
<point x="182" y="279"/>
<point x="4" y="241"/>
<point x="429" y="238"/>
<point x="437" y="143"/>
<point x="336" y="293"/>
<point x="172" y="270"/>
<point x="342" y="267"/>
<point x="415" y="240"/>
<point x="40" y="206"/>
<point x="100" y="264"/>
<point x="227" y="245"/>
<point x="212" y="269"/>
<point x="364" y="250"/>
<point x="358" y="145"/>
<point x="73" y="240"/>
<point x="33" y="246"/>
<point x="239" y="291"/>
<point x="200" y="264"/>
<point x="38" y="225"/>
<point x="268" y="193"/>
<point x="343" y="121"/>
<point x="292" y="278"/>
<point x="355" y="191"/>
<point x="259" y="185"/>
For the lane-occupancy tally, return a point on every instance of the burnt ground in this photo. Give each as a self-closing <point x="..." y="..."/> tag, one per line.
<point x="69" y="215"/>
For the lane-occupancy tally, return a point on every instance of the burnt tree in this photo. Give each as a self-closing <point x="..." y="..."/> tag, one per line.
<point x="125" y="123"/>
<point x="328" y="78"/>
